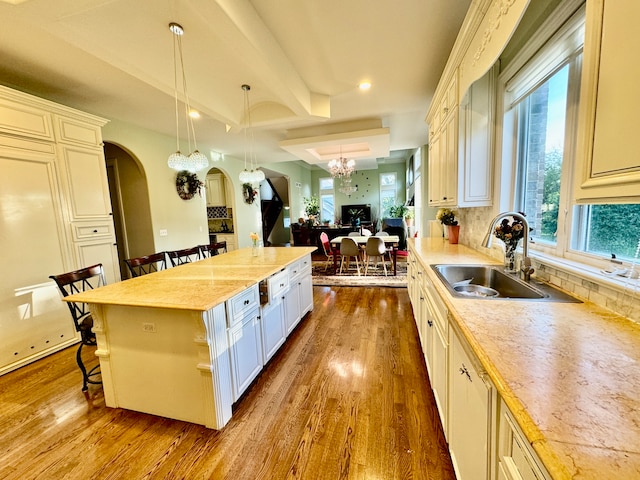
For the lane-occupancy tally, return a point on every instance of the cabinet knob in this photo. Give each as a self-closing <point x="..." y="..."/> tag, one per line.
<point x="430" y="323"/>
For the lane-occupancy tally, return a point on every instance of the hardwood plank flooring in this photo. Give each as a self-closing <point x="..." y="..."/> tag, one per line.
<point x="347" y="397"/>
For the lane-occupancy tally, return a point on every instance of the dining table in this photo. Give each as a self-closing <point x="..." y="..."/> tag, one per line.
<point x="390" y="241"/>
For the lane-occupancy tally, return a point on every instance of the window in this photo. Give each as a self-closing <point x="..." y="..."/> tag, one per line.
<point x="541" y="98"/>
<point x="327" y="200"/>
<point x="387" y="192"/>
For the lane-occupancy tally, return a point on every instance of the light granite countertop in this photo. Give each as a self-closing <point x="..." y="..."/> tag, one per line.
<point x="569" y="372"/>
<point x="199" y="285"/>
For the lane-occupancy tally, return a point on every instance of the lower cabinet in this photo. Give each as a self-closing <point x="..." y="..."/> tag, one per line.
<point x="516" y="460"/>
<point x="291" y="301"/>
<point x="470" y="405"/>
<point x="273" y="328"/>
<point x="245" y="348"/>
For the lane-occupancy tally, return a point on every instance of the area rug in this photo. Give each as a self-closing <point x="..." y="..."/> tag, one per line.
<point x="374" y="278"/>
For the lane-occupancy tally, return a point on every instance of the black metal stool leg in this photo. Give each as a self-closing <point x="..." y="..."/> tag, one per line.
<point x="85" y="377"/>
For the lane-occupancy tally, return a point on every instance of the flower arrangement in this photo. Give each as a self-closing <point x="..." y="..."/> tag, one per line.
<point x="447" y="216"/>
<point x="254" y="238"/>
<point x="311" y="206"/>
<point x="510" y="232"/>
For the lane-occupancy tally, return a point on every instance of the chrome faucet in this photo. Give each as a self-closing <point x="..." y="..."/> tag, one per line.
<point x="526" y="269"/>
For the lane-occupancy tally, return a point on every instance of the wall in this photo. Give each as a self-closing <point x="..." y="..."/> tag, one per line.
<point x="368" y="182"/>
<point x="186" y="221"/>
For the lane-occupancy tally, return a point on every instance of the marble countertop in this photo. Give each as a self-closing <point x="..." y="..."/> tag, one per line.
<point x="199" y="285"/>
<point x="569" y="372"/>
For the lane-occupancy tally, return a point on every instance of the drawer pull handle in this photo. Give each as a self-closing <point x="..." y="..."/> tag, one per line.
<point x="464" y="371"/>
<point x="95" y="231"/>
<point x="430" y="322"/>
<point x="246" y="302"/>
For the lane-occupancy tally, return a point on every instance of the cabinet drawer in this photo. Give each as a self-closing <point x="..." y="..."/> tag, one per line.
<point x="278" y="284"/>
<point x="299" y="267"/>
<point x="87" y="230"/>
<point x="242" y="303"/>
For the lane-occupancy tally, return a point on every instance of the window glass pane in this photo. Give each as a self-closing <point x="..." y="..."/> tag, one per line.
<point x="608" y="229"/>
<point x="387" y="192"/>
<point x="387" y="179"/>
<point x="327" y="208"/>
<point x="541" y="134"/>
<point x="326" y="183"/>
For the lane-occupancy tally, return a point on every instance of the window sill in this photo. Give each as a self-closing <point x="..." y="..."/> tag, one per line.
<point x="588" y="272"/>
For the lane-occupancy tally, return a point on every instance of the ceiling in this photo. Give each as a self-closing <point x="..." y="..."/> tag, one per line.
<point x="303" y="59"/>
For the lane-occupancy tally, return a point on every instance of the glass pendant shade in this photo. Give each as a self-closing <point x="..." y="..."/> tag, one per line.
<point x="177" y="161"/>
<point x="245" y="176"/>
<point x="197" y="161"/>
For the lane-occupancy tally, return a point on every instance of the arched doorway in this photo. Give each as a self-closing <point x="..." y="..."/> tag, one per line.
<point x="130" y="205"/>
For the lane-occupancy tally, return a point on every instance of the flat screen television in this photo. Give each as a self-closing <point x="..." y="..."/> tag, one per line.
<point x="364" y="210"/>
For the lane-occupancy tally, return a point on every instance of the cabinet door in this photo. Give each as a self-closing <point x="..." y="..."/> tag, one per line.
<point x="86" y="181"/>
<point x="469" y="417"/>
<point x="306" y="293"/>
<point x="292" y="307"/>
<point x="449" y="162"/>
<point x="434" y="193"/>
<point x="228" y="193"/>
<point x="215" y="190"/>
<point x="609" y="102"/>
<point x="440" y="374"/>
<point x="273" y="329"/>
<point x="245" y="348"/>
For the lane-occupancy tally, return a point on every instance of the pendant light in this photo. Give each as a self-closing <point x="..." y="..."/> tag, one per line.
<point x="253" y="175"/>
<point x="178" y="161"/>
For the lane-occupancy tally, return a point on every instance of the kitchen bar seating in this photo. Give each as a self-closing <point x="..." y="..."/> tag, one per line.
<point x="75" y="282"/>
<point x="187" y="255"/>
<point x="147" y="264"/>
<point x="213" y="249"/>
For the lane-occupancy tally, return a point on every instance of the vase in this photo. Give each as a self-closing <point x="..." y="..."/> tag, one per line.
<point x="254" y="250"/>
<point x="445" y="232"/>
<point x="454" y="232"/>
<point x="510" y="257"/>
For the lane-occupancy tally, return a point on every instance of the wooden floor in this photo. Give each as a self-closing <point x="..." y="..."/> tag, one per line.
<point x="346" y="397"/>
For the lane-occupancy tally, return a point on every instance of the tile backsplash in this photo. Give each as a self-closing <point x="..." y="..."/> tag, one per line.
<point x="623" y="300"/>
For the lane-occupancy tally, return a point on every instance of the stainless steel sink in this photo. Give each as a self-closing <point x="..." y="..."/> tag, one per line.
<point x="490" y="282"/>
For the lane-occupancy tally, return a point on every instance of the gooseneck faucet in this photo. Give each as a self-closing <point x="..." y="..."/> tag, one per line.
<point x="526" y="270"/>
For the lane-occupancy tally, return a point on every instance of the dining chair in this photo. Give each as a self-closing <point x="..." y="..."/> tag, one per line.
<point x="375" y="248"/>
<point x="354" y="234"/>
<point x="213" y="249"/>
<point x="76" y="282"/>
<point x="186" y="255"/>
<point x="329" y="251"/>
<point x="349" y="248"/>
<point x="366" y="232"/>
<point x="147" y="264"/>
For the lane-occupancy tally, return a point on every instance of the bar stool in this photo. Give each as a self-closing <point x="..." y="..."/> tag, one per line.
<point x="213" y="249"/>
<point x="187" y="255"/>
<point x="147" y="264"/>
<point x="75" y="282"/>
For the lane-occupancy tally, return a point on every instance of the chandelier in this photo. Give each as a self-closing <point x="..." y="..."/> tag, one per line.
<point x="178" y="161"/>
<point x="254" y="175"/>
<point x="341" y="167"/>
<point x="346" y="187"/>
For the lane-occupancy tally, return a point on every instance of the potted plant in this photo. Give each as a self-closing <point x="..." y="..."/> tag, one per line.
<point x="398" y="211"/>
<point x="408" y="217"/>
<point x="447" y="217"/>
<point x="355" y="214"/>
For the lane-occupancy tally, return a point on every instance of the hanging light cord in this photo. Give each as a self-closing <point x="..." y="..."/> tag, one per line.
<point x="175" y="85"/>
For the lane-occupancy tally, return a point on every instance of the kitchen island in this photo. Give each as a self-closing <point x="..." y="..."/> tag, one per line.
<point x="168" y="341"/>
<point x="565" y="374"/>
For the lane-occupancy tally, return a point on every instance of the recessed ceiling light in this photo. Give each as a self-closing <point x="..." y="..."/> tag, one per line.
<point x="364" y="86"/>
<point x="194" y="114"/>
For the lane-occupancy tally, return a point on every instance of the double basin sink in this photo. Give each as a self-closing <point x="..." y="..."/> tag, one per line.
<point x="490" y="282"/>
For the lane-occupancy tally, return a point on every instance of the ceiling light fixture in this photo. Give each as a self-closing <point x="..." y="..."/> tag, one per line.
<point x="364" y="86"/>
<point x="341" y="167"/>
<point x="254" y="176"/>
<point x="195" y="160"/>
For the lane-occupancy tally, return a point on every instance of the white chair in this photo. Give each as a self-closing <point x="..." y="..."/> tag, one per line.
<point x="382" y="234"/>
<point x="366" y="232"/>
<point x="349" y="248"/>
<point x="354" y="234"/>
<point x="375" y="248"/>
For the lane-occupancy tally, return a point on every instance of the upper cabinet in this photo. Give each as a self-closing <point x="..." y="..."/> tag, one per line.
<point x="460" y="146"/>
<point x="215" y="190"/>
<point x="608" y="157"/>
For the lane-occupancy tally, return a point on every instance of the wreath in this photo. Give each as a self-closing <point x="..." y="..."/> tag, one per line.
<point x="249" y="193"/>
<point x="187" y="185"/>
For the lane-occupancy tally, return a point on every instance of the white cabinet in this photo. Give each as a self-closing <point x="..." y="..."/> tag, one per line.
<point x="245" y="349"/>
<point x="54" y="174"/>
<point x="461" y="145"/>
<point x="230" y="238"/>
<point x="245" y="339"/>
<point x="443" y="148"/>
<point x="215" y="184"/>
<point x="273" y="328"/>
<point x="608" y="155"/>
<point x="228" y="192"/>
<point x="470" y="416"/>
<point x="291" y="301"/>
<point x="516" y="460"/>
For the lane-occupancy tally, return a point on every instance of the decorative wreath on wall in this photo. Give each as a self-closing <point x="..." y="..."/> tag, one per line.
<point x="187" y="185"/>
<point x="249" y="193"/>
